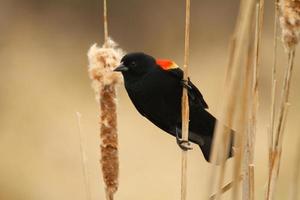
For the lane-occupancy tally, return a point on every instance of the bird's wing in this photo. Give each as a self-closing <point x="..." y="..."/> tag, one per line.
<point x="152" y="114"/>
<point x="156" y="119"/>
<point x="195" y="96"/>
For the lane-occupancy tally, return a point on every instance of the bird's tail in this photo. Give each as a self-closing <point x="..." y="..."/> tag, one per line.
<point x="206" y="147"/>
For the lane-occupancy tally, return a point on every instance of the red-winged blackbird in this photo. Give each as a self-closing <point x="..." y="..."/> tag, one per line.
<point x="155" y="88"/>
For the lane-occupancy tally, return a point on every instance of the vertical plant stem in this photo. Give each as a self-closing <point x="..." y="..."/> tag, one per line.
<point x="219" y="128"/>
<point x="273" y="100"/>
<point x="288" y="16"/>
<point x="102" y="62"/>
<point x="241" y="37"/>
<point x="105" y="23"/>
<point x="285" y="93"/>
<point x="295" y="184"/>
<point x="224" y="147"/>
<point x="273" y="83"/>
<point x="277" y="147"/>
<point x="276" y="156"/>
<point x="251" y="182"/>
<point x="272" y="176"/>
<point x="272" y="122"/>
<point x="249" y="187"/>
<point x="242" y="118"/>
<point x="225" y="188"/>
<point x="82" y="138"/>
<point x="187" y="40"/>
<point x="185" y="104"/>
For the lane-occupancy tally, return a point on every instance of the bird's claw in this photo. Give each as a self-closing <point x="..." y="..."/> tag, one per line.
<point x="185" y="83"/>
<point x="184" y="144"/>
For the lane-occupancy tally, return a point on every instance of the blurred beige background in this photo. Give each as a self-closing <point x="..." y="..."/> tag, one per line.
<point x="44" y="82"/>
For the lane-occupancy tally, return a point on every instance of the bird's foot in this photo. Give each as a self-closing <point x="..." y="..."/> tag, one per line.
<point x="184" y="144"/>
<point x="185" y="83"/>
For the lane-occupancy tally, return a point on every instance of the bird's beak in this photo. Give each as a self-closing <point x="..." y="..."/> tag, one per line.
<point x="121" y="68"/>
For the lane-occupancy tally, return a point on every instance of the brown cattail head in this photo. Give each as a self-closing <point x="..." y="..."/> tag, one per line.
<point x="102" y="61"/>
<point x="290" y="22"/>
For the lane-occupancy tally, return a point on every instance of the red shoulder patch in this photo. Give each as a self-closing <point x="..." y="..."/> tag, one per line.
<point x="166" y="64"/>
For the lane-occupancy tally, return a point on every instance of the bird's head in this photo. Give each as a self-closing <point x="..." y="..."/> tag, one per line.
<point x="137" y="64"/>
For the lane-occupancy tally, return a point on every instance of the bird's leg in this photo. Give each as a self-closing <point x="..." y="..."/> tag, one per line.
<point x="183" y="144"/>
<point x="185" y="83"/>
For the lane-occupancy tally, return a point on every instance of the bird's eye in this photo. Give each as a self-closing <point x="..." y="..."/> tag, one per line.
<point x="133" y="64"/>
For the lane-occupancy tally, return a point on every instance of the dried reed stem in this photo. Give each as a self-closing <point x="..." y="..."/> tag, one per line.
<point x="251" y="182"/>
<point x="284" y="95"/>
<point x="105" y="23"/>
<point x="273" y="89"/>
<point x="232" y="43"/>
<point x="277" y="145"/>
<point x="85" y="173"/>
<point x="226" y="188"/>
<point x="240" y="37"/>
<point x="273" y="83"/>
<point x="242" y="142"/>
<point x="295" y="184"/>
<point x="272" y="176"/>
<point x="225" y="135"/>
<point x="289" y="17"/>
<point x="273" y="101"/>
<point x="251" y="77"/>
<point x="223" y="163"/>
<point x="101" y="64"/>
<point x="231" y="49"/>
<point x="275" y="162"/>
<point x="272" y="121"/>
<point x="185" y="103"/>
<point x="243" y="113"/>
<point x="248" y="185"/>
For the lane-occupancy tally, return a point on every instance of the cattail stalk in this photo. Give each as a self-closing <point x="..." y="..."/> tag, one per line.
<point x="284" y="97"/>
<point x="289" y="17"/>
<point x="295" y="184"/>
<point x="185" y="104"/>
<point x="102" y="61"/>
<point x="101" y="64"/>
<point x="84" y="158"/>
<point x="105" y="23"/>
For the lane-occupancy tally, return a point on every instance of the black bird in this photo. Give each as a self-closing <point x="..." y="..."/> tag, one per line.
<point x="155" y="89"/>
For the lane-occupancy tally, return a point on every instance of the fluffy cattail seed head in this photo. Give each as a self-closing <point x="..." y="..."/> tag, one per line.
<point x="102" y="61"/>
<point x="289" y="11"/>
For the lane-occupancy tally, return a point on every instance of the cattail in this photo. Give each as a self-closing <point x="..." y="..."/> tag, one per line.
<point x="289" y="17"/>
<point x="290" y="22"/>
<point x="102" y="61"/>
